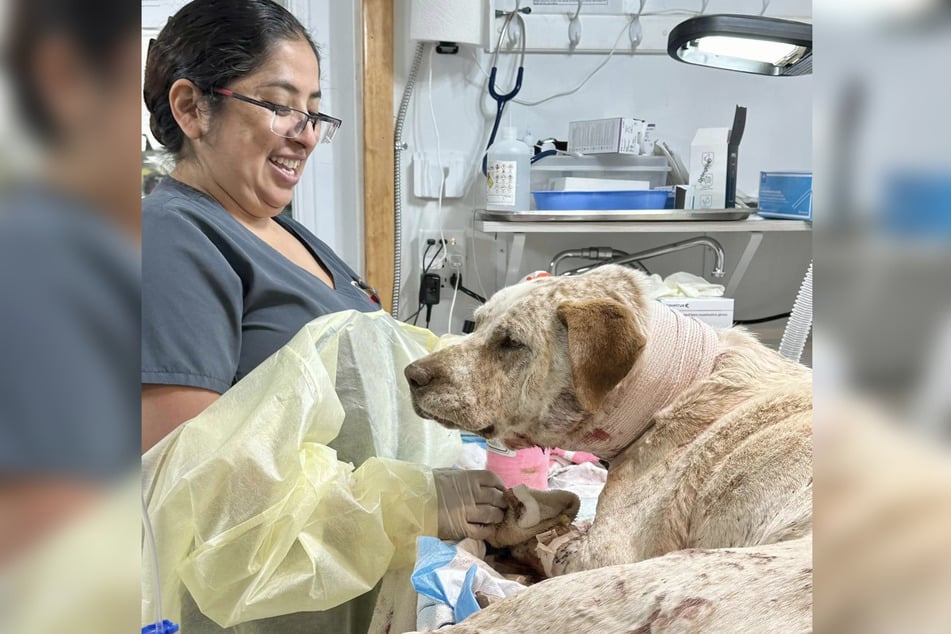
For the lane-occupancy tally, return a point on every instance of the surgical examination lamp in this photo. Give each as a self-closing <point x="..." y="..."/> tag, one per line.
<point x="762" y="46"/>
<point x="745" y="43"/>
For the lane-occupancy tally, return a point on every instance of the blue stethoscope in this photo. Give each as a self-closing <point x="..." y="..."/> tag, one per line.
<point x="503" y="98"/>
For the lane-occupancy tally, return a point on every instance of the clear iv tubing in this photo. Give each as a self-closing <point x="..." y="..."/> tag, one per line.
<point x="153" y="551"/>
<point x="800" y="321"/>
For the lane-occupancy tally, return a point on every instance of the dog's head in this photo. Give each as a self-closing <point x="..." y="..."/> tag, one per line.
<point x="543" y="356"/>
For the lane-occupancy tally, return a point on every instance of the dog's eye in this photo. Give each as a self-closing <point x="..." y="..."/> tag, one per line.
<point x="507" y="343"/>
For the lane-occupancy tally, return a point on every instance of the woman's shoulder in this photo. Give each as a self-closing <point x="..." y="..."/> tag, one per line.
<point x="174" y="208"/>
<point x="176" y="199"/>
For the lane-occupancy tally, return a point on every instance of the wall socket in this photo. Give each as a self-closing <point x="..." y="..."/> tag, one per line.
<point x="444" y="262"/>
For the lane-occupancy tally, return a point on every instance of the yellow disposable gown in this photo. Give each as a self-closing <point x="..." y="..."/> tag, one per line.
<point x="300" y="487"/>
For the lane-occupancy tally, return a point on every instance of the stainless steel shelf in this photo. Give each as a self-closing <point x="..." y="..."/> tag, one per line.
<point x="519" y="226"/>
<point x="599" y="224"/>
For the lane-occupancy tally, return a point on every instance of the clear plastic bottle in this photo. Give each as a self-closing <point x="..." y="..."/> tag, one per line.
<point x="508" y="177"/>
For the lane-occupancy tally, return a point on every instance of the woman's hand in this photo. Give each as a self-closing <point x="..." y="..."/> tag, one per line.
<point x="470" y="503"/>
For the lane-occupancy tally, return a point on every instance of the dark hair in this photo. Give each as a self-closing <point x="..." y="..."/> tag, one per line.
<point x="211" y="43"/>
<point x="94" y="28"/>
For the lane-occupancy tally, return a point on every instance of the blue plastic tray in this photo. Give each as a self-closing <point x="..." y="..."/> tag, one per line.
<point x="636" y="199"/>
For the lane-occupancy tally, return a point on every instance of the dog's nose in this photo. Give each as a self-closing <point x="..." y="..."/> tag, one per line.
<point x="417" y="375"/>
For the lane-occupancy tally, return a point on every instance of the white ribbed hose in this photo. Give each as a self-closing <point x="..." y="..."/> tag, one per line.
<point x="800" y="321"/>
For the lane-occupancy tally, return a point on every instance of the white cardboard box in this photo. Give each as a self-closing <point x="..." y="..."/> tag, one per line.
<point x="618" y="135"/>
<point x="708" y="159"/>
<point x="580" y="184"/>
<point x="715" y="311"/>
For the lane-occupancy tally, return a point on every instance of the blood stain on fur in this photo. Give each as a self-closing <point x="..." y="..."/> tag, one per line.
<point x="689" y="609"/>
<point x="522" y="439"/>
<point x="693" y="608"/>
<point x="597" y="434"/>
<point x="646" y="627"/>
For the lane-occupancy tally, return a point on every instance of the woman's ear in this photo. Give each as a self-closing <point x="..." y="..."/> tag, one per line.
<point x="186" y="101"/>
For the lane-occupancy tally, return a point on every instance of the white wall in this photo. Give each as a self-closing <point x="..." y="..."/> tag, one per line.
<point x="329" y="199"/>
<point x="679" y="98"/>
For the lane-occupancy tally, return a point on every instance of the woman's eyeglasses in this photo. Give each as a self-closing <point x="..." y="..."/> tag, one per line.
<point x="290" y="123"/>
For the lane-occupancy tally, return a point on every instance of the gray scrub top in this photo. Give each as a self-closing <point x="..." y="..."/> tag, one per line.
<point x="216" y="299"/>
<point x="69" y="339"/>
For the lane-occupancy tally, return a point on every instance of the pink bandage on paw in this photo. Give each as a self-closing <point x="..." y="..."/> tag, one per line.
<point x="535" y="275"/>
<point x="577" y="457"/>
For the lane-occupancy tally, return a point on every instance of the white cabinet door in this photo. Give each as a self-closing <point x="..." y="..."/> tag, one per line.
<point x="156" y="12"/>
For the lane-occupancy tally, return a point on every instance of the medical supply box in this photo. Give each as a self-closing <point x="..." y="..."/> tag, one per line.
<point x="715" y="311"/>
<point x="580" y="184"/>
<point x="618" y="135"/>
<point x="708" y="162"/>
<point x="785" y="195"/>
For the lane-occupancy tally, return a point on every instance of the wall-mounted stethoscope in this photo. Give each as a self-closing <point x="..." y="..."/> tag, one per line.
<point x="502" y="98"/>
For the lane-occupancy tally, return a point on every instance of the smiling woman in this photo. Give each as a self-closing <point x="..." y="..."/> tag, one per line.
<point x="234" y="153"/>
<point x="233" y="90"/>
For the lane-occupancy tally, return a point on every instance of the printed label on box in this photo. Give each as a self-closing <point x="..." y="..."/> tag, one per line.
<point x="715" y="311"/>
<point x="618" y="135"/>
<point x="785" y="195"/>
<point x="708" y="159"/>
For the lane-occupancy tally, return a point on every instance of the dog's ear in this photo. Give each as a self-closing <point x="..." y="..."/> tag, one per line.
<point x="603" y="343"/>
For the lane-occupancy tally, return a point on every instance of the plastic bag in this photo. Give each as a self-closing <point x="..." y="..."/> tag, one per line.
<point x="447" y="578"/>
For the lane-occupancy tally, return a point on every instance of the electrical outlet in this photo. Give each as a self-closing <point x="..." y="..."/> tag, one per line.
<point x="446" y="261"/>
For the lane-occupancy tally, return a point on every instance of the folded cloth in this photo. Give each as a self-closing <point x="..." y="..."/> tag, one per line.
<point x="682" y="284"/>
<point x="586" y="480"/>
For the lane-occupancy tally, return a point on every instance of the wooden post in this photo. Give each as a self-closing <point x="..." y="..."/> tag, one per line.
<point x="378" y="150"/>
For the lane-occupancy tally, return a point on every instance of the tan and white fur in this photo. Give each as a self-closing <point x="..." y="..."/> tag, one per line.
<point x="707" y="433"/>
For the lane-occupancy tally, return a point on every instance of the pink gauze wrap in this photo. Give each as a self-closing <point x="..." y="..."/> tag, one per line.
<point x="527" y="466"/>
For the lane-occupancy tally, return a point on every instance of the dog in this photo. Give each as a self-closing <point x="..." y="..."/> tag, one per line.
<point x="707" y="435"/>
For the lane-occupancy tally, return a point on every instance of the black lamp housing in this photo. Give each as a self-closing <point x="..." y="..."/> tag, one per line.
<point x="683" y="43"/>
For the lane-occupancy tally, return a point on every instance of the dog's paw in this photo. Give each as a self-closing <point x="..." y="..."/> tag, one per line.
<point x="531" y="512"/>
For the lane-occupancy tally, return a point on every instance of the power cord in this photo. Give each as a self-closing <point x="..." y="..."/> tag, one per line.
<point x="429" y="245"/>
<point x="761" y="320"/>
<point x="455" y="281"/>
<point x="452" y="307"/>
